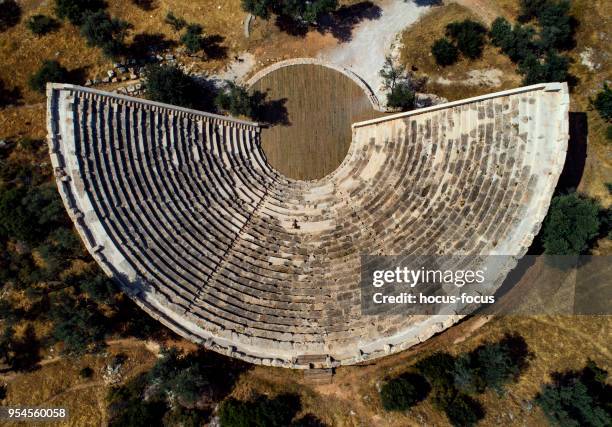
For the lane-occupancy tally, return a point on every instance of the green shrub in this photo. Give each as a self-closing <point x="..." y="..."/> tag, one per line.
<point x="603" y="103"/>
<point x="66" y="243"/>
<point x="236" y="100"/>
<point x="444" y="52"/>
<point x="49" y="72"/>
<point x="99" y="288"/>
<point x="530" y="9"/>
<point x="10" y="14"/>
<point x="31" y="145"/>
<point x="552" y="68"/>
<point x="463" y="411"/>
<point x="300" y="11"/>
<point x="184" y="376"/>
<point x="183" y="417"/>
<point x="139" y="413"/>
<point x="401" y="97"/>
<point x="15" y="218"/>
<point x="572" y="222"/>
<point x="100" y="30"/>
<point x="192" y="39"/>
<point x="78" y="325"/>
<point x="556" y="25"/>
<point x="438" y="369"/>
<point x="171" y="85"/>
<point x="402" y="393"/>
<point x="260" y="8"/>
<point x="495" y="365"/>
<point x="313" y="10"/>
<point x="127" y="406"/>
<point x="8" y="96"/>
<point x="577" y="398"/>
<point x="262" y="412"/>
<point x="176" y="23"/>
<point x="609" y="132"/>
<point x="469" y="36"/>
<point x="515" y="42"/>
<point x="21" y="353"/>
<point x="42" y="24"/>
<point x="75" y="10"/>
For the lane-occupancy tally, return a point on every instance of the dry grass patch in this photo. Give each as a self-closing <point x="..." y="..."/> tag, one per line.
<point x="492" y="72"/>
<point x="557" y="343"/>
<point x="22" y="53"/>
<point x="58" y="383"/>
<point x="593" y="33"/>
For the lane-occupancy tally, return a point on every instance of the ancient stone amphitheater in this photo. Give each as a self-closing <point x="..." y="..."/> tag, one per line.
<point x="181" y="208"/>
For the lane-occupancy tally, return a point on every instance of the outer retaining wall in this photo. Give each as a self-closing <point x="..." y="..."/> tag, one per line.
<point x="313" y="61"/>
<point x="104" y="253"/>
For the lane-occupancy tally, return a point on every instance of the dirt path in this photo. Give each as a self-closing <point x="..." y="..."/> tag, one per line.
<point x="71" y="389"/>
<point x="372" y="40"/>
<point x="124" y="342"/>
<point x="484" y="9"/>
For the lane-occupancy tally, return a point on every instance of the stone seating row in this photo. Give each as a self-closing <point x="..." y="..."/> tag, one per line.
<point x="188" y="201"/>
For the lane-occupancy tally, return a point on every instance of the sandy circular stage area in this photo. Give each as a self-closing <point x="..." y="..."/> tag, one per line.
<point x="311" y="108"/>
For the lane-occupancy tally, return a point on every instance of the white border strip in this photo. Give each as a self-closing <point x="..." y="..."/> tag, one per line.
<point x="313" y="61"/>
<point x="63" y="86"/>
<point x="549" y="87"/>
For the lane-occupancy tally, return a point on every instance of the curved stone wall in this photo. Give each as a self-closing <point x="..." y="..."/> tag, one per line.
<point x="313" y="61"/>
<point x="181" y="208"/>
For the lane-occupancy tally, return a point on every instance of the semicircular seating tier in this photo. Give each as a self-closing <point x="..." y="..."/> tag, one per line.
<point x="181" y="208"/>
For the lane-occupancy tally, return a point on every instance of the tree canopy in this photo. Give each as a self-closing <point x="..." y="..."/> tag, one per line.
<point x="175" y="22"/>
<point x="10" y="14"/>
<point x="75" y="10"/>
<point x="401" y="97"/>
<point x="403" y="392"/>
<point x="49" y="72"/>
<point x="572" y="222"/>
<point x="192" y="39"/>
<point x="603" y="102"/>
<point x="307" y="12"/>
<point x="29" y="214"/>
<point x="261" y="412"/>
<point x="400" y="85"/>
<point x="100" y="30"/>
<point x="578" y="398"/>
<point x="551" y="68"/>
<point x="78" y="325"/>
<point x="537" y="51"/>
<point x="469" y="37"/>
<point x="42" y="24"/>
<point x="445" y="52"/>
<point x="517" y="42"/>
<point x="236" y="100"/>
<point x="455" y="380"/>
<point x="169" y="84"/>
